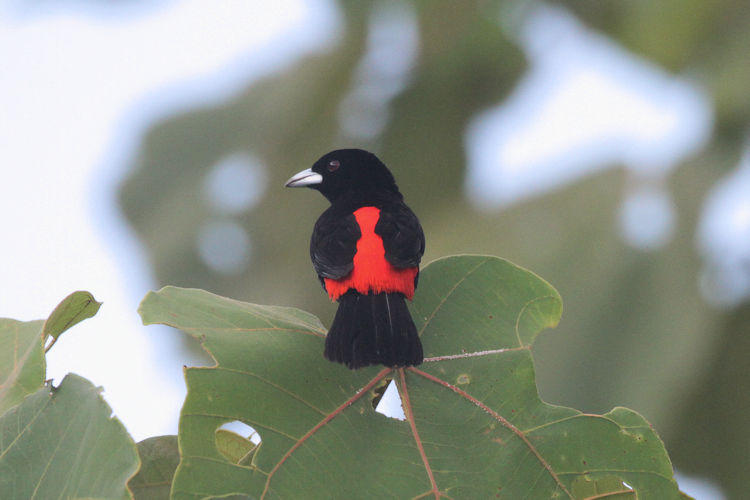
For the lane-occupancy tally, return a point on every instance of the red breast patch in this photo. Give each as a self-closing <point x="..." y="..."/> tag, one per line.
<point x="372" y="272"/>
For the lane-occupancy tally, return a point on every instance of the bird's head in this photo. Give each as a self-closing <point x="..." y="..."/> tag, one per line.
<point x="348" y="173"/>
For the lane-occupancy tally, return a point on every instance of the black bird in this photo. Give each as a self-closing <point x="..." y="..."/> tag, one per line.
<point x="366" y="248"/>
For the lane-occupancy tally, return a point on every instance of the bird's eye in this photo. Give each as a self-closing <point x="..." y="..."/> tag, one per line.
<point x="333" y="165"/>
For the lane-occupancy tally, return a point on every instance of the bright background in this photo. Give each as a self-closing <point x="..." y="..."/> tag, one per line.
<point x="603" y="145"/>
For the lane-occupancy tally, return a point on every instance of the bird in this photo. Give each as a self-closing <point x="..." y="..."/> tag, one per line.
<point x="365" y="248"/>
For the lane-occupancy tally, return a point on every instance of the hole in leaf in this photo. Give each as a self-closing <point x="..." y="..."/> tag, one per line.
<point x="378" y="392"/>
<point x="237" y="442"/>
<point x="242" y="429"/>
<point x="389" y="404"/>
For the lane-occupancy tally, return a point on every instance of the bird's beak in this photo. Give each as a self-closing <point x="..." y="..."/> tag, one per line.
<point x="304" y="178"/>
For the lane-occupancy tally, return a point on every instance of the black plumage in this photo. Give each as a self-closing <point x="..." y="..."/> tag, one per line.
<point x="366" y="249"/>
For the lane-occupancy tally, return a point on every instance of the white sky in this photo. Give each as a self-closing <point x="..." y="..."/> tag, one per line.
<point x="77" y="90"/>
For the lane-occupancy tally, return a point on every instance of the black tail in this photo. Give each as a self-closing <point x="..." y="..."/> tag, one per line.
<point x="373" y="329"/>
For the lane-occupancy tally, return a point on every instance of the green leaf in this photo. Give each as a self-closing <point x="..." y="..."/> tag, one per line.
<point x="472" y="304"/>
<point x="72" y="310"/>
<point x="22" y="363"/>
<point x="159" y="458"/>
<point x="63" y="443"/>
<point x="475" y="426"/>
<point x="235" y="448"/>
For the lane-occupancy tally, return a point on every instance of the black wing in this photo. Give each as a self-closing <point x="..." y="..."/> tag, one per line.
<point x="333" y="244"/>
<point x="402" y="235"/>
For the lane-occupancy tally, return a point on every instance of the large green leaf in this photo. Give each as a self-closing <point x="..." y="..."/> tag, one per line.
<point x="63" y="443"/>
<point x="22" y="363"/>
<point x="475" y="426"/>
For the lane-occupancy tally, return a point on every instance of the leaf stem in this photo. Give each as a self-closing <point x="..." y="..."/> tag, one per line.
<point x="328" y="418"/>
<point x="406" y="403"/>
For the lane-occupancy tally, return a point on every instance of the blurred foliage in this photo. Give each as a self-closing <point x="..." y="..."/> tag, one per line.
<point x="635" y="330"/>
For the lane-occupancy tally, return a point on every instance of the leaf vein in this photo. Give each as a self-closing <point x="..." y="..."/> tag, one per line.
<point x="57" y="448"/>
<point x="474" y="354"/>
<point x="252" y="423"/>
<point x="505" y="422"/>
<point x="323" y="422"/>
<point x="244" y="330"/>
<point x="275" y="386"/>
<point x="450" y="292"/>
<point x="523" y="310"/>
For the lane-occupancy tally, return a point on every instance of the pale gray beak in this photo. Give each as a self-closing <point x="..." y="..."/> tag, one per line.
<point x="304" y="178"/>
